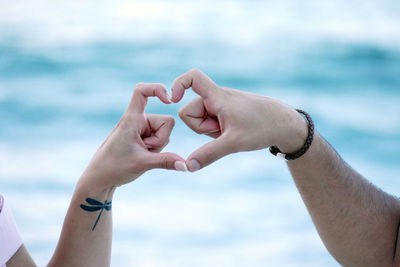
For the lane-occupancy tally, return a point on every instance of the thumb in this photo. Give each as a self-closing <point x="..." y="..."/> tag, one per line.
<point x="166" y="160"/>
<point x="209" y="153"/>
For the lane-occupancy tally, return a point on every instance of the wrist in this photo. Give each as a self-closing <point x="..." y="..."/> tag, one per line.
<point x="89" y="186"/>
<point x="294" y="133"/>
<point x="104" y="174"/>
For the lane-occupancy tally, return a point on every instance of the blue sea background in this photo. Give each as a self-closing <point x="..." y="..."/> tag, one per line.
<point x="67" y="72"/>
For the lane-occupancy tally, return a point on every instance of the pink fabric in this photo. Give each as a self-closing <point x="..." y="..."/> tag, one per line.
<point x="10" y="240"/>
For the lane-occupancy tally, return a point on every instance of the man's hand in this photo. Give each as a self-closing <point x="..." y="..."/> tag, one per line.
<point x="133" y="146"/>
<point x="240" y="121"/>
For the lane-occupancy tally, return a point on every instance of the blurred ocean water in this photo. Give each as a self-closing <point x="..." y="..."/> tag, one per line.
<point x="67" y="72"/>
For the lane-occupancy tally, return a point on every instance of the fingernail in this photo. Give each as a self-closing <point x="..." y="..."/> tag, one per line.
<point x="172" y="93"/>
<point x="193" y="165"/>
<point x="180" y="166"/>
<point x="212" y="132"/>
<point x="168" y="96"/>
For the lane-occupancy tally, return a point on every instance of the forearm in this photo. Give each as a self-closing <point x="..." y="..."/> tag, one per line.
<point x="82" y="244"/>
<point x="356" y="221"/>
<point x="132" y="148"/>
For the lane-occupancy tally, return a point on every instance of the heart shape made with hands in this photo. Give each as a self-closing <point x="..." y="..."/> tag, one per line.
<point x="237" y="120"/>
<point x="199" y="115"/>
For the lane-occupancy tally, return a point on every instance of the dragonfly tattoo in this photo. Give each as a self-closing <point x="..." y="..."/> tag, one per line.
<point x="95" y="206"/>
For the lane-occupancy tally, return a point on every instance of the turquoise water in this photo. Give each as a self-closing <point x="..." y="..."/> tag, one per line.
<point x="67" y="73"/>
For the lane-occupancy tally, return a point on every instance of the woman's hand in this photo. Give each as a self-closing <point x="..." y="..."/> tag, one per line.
<point x="134" y="145"/>
<point x="240" y="121"/>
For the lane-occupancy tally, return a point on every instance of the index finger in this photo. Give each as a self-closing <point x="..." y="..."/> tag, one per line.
<point x="143" y="91"/>
<point x="200" y="83"/>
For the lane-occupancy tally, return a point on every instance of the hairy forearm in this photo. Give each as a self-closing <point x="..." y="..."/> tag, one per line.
<point x="356" y="220"/>
<point x="84" y="242"/>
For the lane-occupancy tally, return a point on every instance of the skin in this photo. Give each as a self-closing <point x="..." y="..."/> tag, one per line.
<point x="132" y="148"/>
<point x="357" y="222"/>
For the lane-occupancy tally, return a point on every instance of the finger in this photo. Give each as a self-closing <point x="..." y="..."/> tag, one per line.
<point x="196" y="79"/>
<point x="214" y="134"/>
<point x="209" y="153"/>
<point x="157" y="149"/>
<point x="167" y="160"/>
<point x="196" y="117"/>
<point x="161" y="127"/>
<point x="143" y="91"/>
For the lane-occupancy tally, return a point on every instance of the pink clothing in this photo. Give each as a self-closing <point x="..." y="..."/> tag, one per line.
<point x="10" y="240"/>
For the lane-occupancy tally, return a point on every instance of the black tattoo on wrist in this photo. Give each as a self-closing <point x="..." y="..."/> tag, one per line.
<point x="95" y="206"/>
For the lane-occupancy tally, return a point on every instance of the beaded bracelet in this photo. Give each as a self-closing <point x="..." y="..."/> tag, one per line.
<point x="275" y="150"/>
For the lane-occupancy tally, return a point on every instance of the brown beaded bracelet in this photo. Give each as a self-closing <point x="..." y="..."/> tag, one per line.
<point x="275" y="150"/>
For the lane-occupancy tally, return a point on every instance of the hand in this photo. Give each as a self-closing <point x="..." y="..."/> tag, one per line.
<point x="133" y="146"/>
<point x="239" y="121"/>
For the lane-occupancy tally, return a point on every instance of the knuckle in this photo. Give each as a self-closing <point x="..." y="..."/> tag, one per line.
<point x="164" y="162"/>
<point x="195" y="127"/>
<point x="195" y="71"/>
<point x="182" y="113"/>
<point x="170" y="121"/>
<point x="137" y="91"/>
<point x="126" y="120"/>
<point x="226" y="90"/>
<point x="210" y="155"/>
<point x="159" y="87"/>
<point x="138" y="86"/>
<point x="176" y="80"/>
<point x="155" y="142"/>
